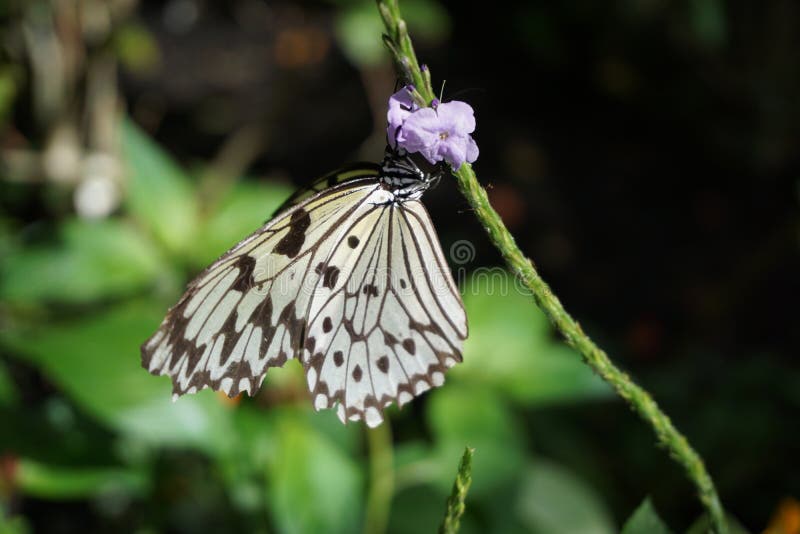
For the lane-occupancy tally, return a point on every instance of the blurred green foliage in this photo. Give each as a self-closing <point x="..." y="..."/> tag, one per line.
<point x="645" y="520"/>
<point x="89" y="441"/>
<point x="79" y="303"/>
<point x="359" y="27"/>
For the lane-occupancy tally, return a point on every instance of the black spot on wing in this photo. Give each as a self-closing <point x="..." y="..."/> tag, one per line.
<point x="352" y="241"/>
<point x="409" y="345"/>
<point x="370" y="289"/>
<point x="292" y="242"/>
<point x="330" y="277"/>
<point x="338" y="358"/>
<point x="244" y="281"/>
<point x="327" y="325"/>
<point x="383" y="364"/>
<point x="357" y="373"/>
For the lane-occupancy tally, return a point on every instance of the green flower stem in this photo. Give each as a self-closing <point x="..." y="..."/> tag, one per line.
<point x="668" y="436"/>
<point x="381" y="474"/>
<point x="456" y="503"/>
<point x="641" y="401"/>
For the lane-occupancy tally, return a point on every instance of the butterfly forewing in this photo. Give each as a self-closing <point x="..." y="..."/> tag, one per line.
<point x="351" y="280"/>
<point x="246" y="312"/>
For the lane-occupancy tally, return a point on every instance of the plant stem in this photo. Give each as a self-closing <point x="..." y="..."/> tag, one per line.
<point x="456" y="503"/>
<point x="381" y="474"/>
<point x="640" y="400"/>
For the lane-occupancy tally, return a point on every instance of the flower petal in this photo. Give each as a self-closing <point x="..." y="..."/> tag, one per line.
<point x="426" y="119"/>
<point x="417" y="139"/>
<point x="401" y="105"/>
<point x="458" y="114"/>
<point x="454" y="150"/>
<point x="439" y="134"/>
<point x="472" y="150"/>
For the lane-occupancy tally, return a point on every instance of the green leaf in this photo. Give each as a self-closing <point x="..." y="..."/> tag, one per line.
<point x="53" y="482"/>
<point x="160" y="195"/>
<point x="511" y="347"/>
<point x="96" y="361"/>
<point x="14" y="525"/>
<point x="312" y="475"/>
<point x="552" y="500"/>
<point x="244" y="210"/>
<point x="93" y="260"/>
<point x="645" y="520"/>
<point x="475" y="418"/>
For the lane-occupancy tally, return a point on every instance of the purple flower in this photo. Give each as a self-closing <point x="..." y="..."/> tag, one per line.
<point x="439" y="133"/>
<point x="401" y="105"/>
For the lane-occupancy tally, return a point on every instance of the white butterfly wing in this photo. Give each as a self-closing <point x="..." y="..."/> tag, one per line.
<point x="247" y="311"/>
<point x="354" y="284"/>
<point x="389" y="330"/>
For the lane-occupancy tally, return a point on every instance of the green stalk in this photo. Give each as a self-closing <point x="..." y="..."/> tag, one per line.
<point x="456" y="503"/>
<point x="381" y="474"/>
<point x="399" y="43"/>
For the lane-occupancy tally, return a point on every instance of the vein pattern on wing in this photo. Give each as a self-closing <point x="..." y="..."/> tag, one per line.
<point x="350" y="280"/>
<point x="399" y="321"/>
<point x="246" y="312"/>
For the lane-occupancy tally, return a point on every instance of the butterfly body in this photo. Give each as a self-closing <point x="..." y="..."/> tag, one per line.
<point x="351" y="280"/>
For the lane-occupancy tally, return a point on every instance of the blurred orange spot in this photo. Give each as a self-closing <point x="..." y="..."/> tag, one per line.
<point x="229" y="401"/>
<point x="300" y="47"/>
<point x="8" y="473"/>
<point x="509" y="203"/>
<point x="645" y="337"/>
<point x="786" y="519"/>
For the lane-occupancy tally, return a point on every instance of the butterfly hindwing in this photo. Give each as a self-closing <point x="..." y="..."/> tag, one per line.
<point x="389" y="330"/>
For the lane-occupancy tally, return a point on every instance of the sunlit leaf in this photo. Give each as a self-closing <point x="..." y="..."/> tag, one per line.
<point x="96" y="362"/>
<point x="511" y="347"/>
<point x="56" y="482"/>
<point x="92" y="260"/>
<point x="465" y="417"/>
<point x="552" y="500"/>
<point x="645" y="520"/>
<point x="314" y="486"/>
<point x="159" y="193"/>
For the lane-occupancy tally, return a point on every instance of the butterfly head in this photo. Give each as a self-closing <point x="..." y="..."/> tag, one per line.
<point x="403" y="177"/>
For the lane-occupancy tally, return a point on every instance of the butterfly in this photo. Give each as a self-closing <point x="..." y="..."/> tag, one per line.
<point x="348" y="277"/>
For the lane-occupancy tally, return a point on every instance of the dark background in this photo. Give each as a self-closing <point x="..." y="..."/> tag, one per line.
<point x="644" y="153"/>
